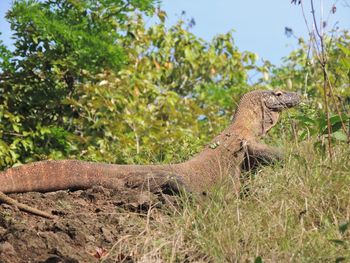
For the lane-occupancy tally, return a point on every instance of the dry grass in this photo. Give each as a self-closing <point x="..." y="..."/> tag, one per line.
<point x="296" y="213"/>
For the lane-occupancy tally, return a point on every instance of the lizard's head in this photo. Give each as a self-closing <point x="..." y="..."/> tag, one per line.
<point x="273" y="102"/>
<point x="259" y="110"/>
<point x="279" y="100"/>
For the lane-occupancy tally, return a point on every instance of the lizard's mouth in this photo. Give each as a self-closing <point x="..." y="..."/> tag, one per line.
<point x="287" y="100"/>
<point x="292" y="104"/>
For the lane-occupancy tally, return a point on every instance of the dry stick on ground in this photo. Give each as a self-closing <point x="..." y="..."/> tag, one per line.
<point x="229" y="152"/>
<point x="4" y="198"/>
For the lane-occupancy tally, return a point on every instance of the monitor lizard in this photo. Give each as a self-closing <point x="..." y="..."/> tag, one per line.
<point x="237" y="147"/>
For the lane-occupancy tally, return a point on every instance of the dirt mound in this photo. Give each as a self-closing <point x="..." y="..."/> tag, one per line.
<point x="89" y="223"/>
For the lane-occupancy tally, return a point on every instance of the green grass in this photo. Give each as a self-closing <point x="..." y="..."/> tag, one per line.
<point x="298" y="212"/>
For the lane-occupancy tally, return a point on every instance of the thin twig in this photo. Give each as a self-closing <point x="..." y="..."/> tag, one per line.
<point x="312" y="35"/>
<point x="323" y="63"/>
<point x="336" y="104"/>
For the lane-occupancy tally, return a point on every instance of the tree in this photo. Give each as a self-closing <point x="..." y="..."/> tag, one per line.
<point x="175" y="89"/>
<point x="56" y="42"/>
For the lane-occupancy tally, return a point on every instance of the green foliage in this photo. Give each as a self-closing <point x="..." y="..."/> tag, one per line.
<point x="5" y="57"/>
<point x="57" y="44"/>
<point x="89" y="80"/>
<point x="175" y="87"/>
<point x="301" y="72"/>
<point x="164" y="99"/>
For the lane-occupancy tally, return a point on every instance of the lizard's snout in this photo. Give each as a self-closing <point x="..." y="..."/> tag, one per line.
<point x="293" y="99"/>
<point x="279" y="100"/>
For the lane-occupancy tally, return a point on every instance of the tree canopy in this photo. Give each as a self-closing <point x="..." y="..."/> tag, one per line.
<point x="89" y="80"/>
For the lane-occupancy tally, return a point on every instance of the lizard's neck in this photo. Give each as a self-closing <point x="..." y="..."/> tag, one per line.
<point x="226" y="152"/>
<point x="220" y="158"/>
<point x="253" y="119"/>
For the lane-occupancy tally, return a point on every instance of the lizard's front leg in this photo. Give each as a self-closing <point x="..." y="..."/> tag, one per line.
<point x="259" y="153"/>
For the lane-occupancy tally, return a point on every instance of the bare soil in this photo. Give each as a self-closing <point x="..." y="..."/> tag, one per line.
<point x="88" y="224"/>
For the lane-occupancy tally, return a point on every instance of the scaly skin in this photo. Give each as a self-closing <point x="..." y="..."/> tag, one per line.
<point x="257" y="112"/>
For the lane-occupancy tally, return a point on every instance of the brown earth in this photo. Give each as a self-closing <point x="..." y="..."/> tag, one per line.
<point x="88" y="226"/>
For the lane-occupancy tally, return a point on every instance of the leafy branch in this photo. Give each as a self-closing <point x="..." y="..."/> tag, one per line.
<point x="317" y="42"/>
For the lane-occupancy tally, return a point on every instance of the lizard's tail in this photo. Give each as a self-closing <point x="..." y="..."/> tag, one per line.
<point x="49" y="176"/>
<point x="46" y="176"/>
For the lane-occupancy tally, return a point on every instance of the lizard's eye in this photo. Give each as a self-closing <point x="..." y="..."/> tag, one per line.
<point x="278" y="93"/>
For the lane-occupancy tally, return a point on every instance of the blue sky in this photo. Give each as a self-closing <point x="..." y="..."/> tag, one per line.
<point x="259" y="25"/>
